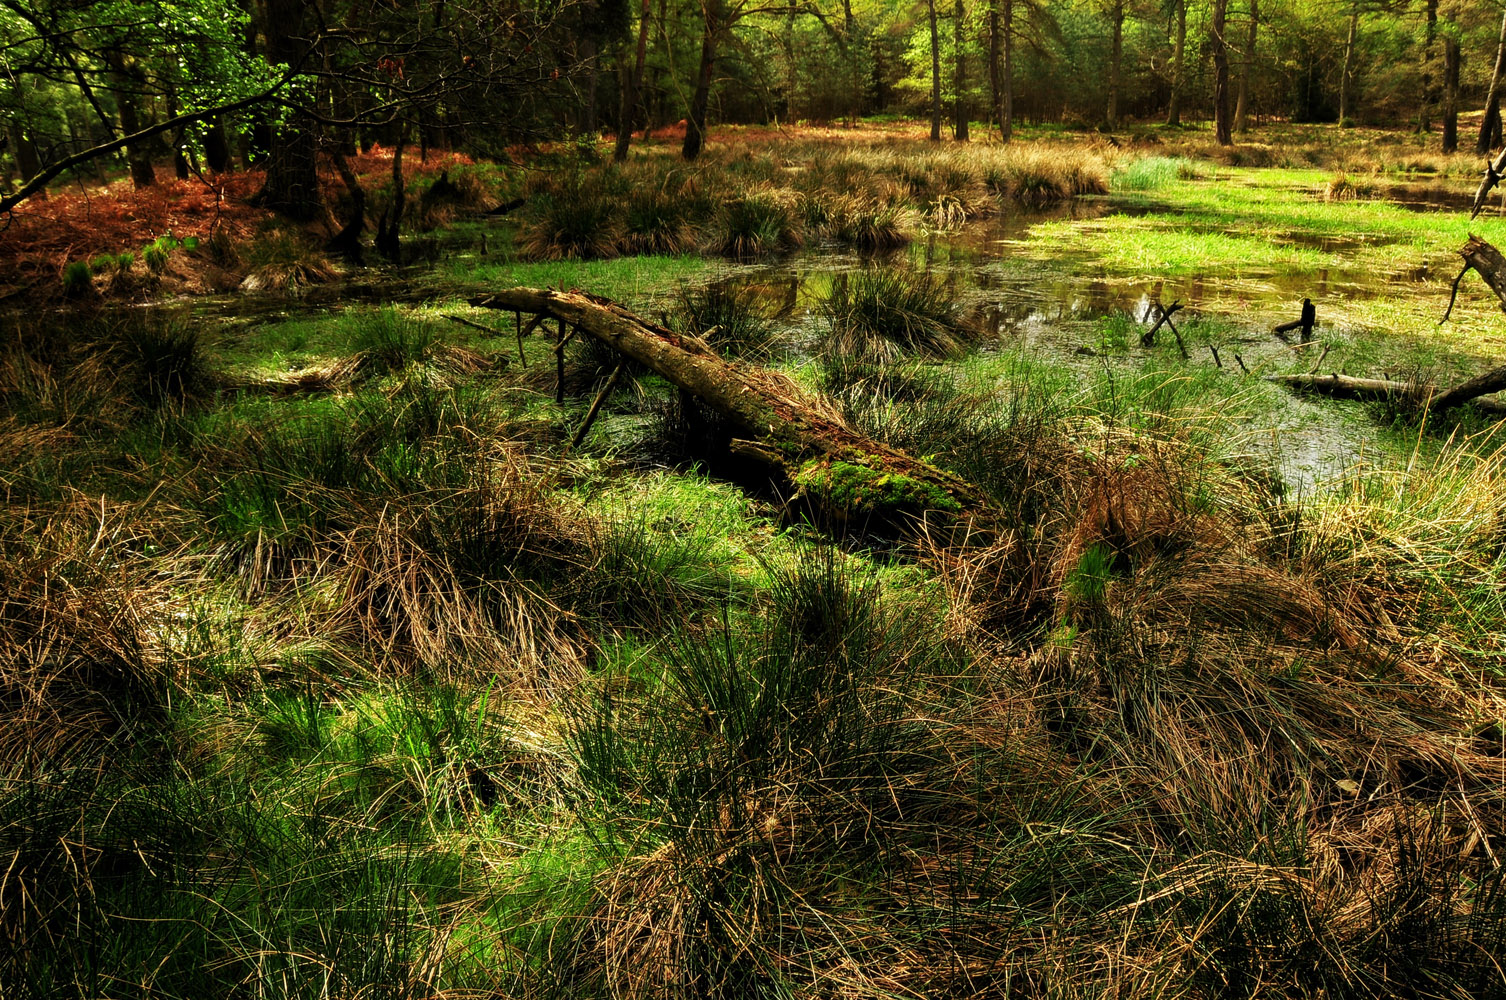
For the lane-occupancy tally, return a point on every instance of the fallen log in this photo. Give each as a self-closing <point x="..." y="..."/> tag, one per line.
<point x="812" y="459"/>
<point x="1350" y="387"/>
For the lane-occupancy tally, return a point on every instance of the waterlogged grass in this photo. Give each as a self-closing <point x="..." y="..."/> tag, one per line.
<point x="626" y="279"/>
<point x="1168" y="245"/>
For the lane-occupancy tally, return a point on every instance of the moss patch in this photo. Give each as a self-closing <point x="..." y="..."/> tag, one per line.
<point x="858" y="489"/>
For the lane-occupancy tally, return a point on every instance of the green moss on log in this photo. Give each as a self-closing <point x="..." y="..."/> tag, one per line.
<point x="860" y="490"/>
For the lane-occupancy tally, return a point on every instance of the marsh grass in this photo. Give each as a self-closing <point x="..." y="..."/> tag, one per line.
<point x="575" y="219"/>
<point x="377" y="692"/>
<point x="882" y="314"/>
<point x="727" y="316"/>
<point x="281" y="260"/>
<point x="754" y="223"/>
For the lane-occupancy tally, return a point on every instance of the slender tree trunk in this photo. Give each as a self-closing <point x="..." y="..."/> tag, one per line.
<point x="789" y="64"/>
<point x="1221" y="123"/>
<point x="1247" y="68"/>
<point x="629" y="102"/>
<point x="855" y="69"/>
<point x="1178" y="51"/>
<point x="1345" y="111"/>
<point x="1490" y="127"/>
<point x="935" y="73"/>
<point x="1116" y="59"/>
<point x="292" y="184"/>
<point x="590" y="120"/>
<point x="995" y="93"/>
<point x="959" y="78"/>
<point x="1450" y="92"/>
<point x="695" y="127"/>
<point x="1429" y="83"/>
<point x="217" y="148"/>
<point x="1006" y="125"/>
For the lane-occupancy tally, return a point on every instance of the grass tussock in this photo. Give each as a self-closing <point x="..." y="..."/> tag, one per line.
<point x="727" y="316"/>
<point x="279" y="260"/>
<point x="882" y="315"/>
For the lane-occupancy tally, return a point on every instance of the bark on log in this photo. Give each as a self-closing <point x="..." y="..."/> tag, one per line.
<point x="814" y="459"/>
<point x="1350" y="387"/>
<point x="1488" y="263"/>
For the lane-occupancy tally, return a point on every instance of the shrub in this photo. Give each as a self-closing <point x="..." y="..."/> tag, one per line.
<point x="162" y="360"/>
<point x="390" y="340"/>
<point x="280" y="260"/>
<point x="155" y="258"/>
<point x="655" y="223"/>
<point x="869" y="225"/>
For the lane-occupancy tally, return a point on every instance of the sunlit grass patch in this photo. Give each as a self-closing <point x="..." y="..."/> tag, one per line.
<point x="628" y="280"/>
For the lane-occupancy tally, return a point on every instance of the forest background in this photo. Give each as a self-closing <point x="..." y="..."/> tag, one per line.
<point x="275" y="82"/>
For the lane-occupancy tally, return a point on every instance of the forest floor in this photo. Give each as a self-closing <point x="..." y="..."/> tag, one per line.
<point x="329" y="665"/>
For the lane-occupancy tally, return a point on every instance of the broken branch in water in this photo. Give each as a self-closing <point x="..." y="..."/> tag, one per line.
<point x="1486" y="261"/>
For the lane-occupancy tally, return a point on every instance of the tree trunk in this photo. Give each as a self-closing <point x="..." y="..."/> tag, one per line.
<point x="1179" y="48"/>
<point x="292" y="184"/>
<point x="138" y="154"/>
<point x="1429" y="82"/>
<point x="959" y="78"/>
<point x="1450" y="92"/>
<point x="820" y="463"/>
<point x="629" y="102"/>
<point x="695" y="127"/>
<point x="1345" y="111"/>
<point x="217" y="148"/>
<point x="1116" y="59"/>
<point x="1221" y="123"/>
<point x="1247" y="68"/>
<point x="388" y="243"/>
<point x="27" y="160"/>
<point x="1490" y="126"/>
<point x="348" y="240"/>
<point x="935" y="73"/>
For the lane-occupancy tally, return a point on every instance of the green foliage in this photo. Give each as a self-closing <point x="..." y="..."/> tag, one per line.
<point x="1150" y="173"/>
<point x="390" y="339"/>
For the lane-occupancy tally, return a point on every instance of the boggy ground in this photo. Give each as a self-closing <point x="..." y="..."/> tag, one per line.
<point x="328" y="667"/>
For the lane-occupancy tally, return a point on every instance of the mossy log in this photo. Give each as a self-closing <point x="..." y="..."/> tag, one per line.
<point x="1349" y="387"/>
<point x="812" y="458"/>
